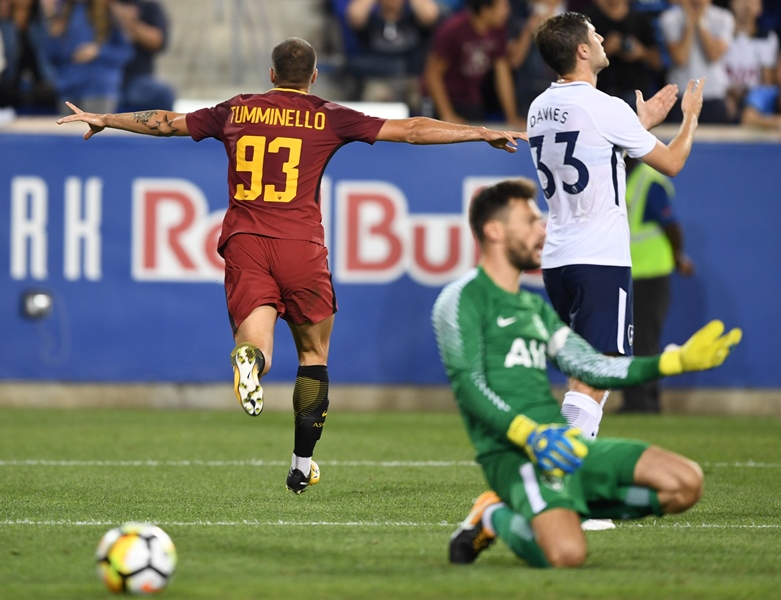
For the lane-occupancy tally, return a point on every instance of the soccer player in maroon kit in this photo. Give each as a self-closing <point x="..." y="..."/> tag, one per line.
<point x="278" y="144"/>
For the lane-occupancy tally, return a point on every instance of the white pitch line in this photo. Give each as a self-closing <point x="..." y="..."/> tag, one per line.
<point x="704" y="526"/>
<point x="410" y="524"/>
<point x="224" y="463"/>
<point x="91" y="523"/>
<point x="277" y="463"/>
<point x="741" y="465"/>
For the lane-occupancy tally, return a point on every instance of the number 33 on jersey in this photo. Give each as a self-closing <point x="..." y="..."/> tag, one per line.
<point x="577" y="138"/>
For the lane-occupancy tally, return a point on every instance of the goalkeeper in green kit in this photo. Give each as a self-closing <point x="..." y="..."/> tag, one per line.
<point x="545" y="479"/>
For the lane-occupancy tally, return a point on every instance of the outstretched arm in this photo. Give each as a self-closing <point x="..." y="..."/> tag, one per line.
<point x="707" y="348"/>
<point x="422" y="130"/>
<point x="162" y="123"/>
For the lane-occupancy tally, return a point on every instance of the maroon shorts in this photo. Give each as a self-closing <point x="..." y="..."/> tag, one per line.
<point x="290" y="275"/>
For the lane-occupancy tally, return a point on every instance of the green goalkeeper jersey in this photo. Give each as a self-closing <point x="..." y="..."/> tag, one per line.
<point x="495" y="346"/>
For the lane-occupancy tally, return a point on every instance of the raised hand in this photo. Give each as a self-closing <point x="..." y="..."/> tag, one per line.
<point x="691" y="103"/>
<point x="706" y="349"/>
<point x="656" y="109"/>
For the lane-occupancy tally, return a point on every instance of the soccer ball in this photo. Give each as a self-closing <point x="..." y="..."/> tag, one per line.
<point x="136" y="558"/>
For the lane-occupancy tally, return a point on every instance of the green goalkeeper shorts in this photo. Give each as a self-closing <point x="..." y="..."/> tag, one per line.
<point x="607" y="472"/>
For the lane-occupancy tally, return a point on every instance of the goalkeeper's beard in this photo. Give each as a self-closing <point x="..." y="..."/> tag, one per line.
<point x="523" y="260"/>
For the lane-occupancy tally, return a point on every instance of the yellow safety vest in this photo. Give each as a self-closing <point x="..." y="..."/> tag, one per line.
<point x="652" y="253"/>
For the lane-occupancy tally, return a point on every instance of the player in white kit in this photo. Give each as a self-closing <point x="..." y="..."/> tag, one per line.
<point x="578" y="136"/>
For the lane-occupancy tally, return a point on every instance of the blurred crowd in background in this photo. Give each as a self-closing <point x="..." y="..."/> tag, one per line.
<point x="98" y="54"/>
<point x="457" y="60"/>
<point x="475" y="60"/>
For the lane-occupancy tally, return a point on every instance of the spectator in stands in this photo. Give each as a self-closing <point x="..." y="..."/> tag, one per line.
<point x="698" y="35"/>
<point x="531" y="74"/>
<point x="89" y="53"/>
<point x="751" y="57"/>
<point x="467" y="48"/>
<point x="631" y="46"/>
<point x="763" y="105"/>
<point x="393" y="40"/>
<point x="338" y="10"/>
<point x="145" y="23"/>
<point x="656" y="245"/>
<point x="27" y="83"/>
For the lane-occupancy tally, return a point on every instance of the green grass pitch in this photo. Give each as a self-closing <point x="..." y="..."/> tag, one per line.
<point x="394" y="486"/>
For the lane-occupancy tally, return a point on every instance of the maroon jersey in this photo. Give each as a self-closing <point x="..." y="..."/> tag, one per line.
<point x="278" y="146"/>
<point x="469" y="55"/>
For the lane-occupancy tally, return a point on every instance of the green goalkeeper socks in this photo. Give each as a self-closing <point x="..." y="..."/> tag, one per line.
<point x="517" y="533"/>
<point x="636" y="502"/>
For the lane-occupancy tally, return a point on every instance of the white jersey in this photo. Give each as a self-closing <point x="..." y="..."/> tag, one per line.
<point x="746" y="58"/>
<point x="577" y="138"/>
<point x="720" y="24"/>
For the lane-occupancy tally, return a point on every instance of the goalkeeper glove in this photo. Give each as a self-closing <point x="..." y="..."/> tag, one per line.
<point x="556" y="449"/>
<point x="706" y="349"/>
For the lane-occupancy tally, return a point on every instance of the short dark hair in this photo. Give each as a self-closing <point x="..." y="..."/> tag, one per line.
<point x="491" y="201"/>
<point x="294" y="61"/>
<point x="557" y="38"/>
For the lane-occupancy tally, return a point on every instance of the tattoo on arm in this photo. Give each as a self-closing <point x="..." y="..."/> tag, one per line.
<point x="143" y="117"/>
<point x="157" y="126"/>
